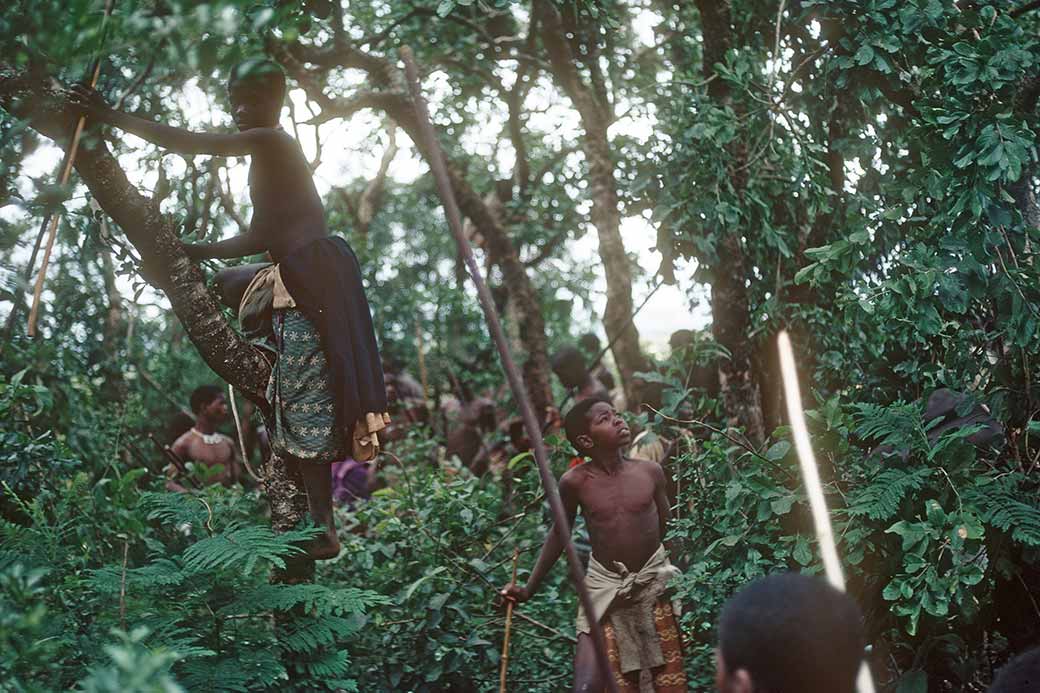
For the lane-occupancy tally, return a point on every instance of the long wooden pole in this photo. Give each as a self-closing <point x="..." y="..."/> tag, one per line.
<point x="504" y="667"/>
<point x="451" y="210"/>
<point x="813" y="487"/>
<point x="66" y="173"/>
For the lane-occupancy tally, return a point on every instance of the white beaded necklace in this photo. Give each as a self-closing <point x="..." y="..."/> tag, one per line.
<point x="208" y="438"/>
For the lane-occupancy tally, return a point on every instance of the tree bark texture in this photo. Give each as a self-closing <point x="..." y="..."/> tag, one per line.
<point x="43" y="104"/>
<point x="595" y="113"/>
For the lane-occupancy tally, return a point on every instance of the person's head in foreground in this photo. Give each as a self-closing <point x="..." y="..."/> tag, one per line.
<point x="256" y="88"/>
<point x="208" y="402"/>
<point x="789" y="633"/>
<point x="1020" y="675"/>
<point x="593" y="427"/>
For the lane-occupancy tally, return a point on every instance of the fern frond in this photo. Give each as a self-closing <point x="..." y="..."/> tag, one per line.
<point x="331" y="665"/>
<point x="309" y="634"/>
<point x="174" y="509"/>
<point x="881" y="497"/>
<point x="1000" y="504"/>
<point x="899" y="425"/>
<point x="240" y="670"/>
<point x="312" y="598"/>
<point x="242" y="545"/>
<point x="162" y="572"/>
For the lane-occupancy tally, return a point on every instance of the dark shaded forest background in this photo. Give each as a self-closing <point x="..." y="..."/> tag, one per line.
<point x="862" y="173"/>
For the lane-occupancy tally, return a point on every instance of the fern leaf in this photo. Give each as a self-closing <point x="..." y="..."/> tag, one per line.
<point x="881" y="498"/>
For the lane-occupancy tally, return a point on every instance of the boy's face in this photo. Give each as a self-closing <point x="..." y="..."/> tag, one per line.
<point x="253" y="104"/>
<point x="606" y="429"/>
<point x="216" y="410"/>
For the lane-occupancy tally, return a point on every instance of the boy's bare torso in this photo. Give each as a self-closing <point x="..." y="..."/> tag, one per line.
<point x="620" y="509"/>
<point x="287" y="211"/>
<point x="191" y="446"/>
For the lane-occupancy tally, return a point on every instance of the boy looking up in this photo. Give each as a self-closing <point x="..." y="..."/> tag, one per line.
<point x="626" y="510"/>
<point x="789" y="632"/>
<point x="326" y="393"/>
<point x="201" y="443"/>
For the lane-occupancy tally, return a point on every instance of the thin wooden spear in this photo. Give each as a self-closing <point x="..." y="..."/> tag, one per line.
<point x="509" y="624"/>
<point x="813" y="487"/>
<point x="451" y="211"/>
<point x="66" y="172"/>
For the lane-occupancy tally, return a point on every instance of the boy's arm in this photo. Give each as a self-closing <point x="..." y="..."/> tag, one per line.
<point x="248" y="243"/>
<point x="171" y="138"/>
<point x="551" y="549"/>
<point x="664" y="511"/>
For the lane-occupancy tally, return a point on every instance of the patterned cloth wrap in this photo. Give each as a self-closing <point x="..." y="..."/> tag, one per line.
<point x="304" y="410"/>
<point x="303" y="420"/>
<point x="669" y="677"/>
<point x="630" y="605"/>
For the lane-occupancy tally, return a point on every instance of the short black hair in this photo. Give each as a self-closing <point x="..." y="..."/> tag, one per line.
<point x="1020" y="675"/>
<point x="793" y="632"/>
<point x="203" y="395"/>
<point x="576" y="423"/>
<point x="680" y="339"/>
<point x="260" y="70"/>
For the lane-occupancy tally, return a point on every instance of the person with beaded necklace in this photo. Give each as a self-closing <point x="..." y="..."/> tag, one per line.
<point x="202" y="444"/>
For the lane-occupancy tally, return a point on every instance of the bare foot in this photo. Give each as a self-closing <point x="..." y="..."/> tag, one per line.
<point x="323" y="547"/>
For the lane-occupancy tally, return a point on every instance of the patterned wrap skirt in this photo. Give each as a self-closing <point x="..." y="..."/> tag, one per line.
<point x="667" y="678"/>
<point x="303" y="406"/>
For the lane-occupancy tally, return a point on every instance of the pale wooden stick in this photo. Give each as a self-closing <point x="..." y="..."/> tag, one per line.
<point x="509" y="623"/>
<point x="813" y="487"/>
<point x="66" y="173"/>
<point x="241" y="438"/>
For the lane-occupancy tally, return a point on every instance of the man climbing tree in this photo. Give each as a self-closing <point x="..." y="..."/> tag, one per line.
<point x="326" y="394"/>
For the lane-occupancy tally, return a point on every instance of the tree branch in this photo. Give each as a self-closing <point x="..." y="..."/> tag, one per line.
<point x="43" y="103"/>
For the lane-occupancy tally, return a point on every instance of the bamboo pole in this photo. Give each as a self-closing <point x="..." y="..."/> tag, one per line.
<point x="66" y="173"/>
<point x="509" y="624"/>
<point x="451" y="210"/>
<point x="813" y="487"/>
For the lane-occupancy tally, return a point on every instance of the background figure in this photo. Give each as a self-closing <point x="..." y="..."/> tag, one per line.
<point x="569" y="365"/>
<point x="351" y="482"/>
<point x="202" y="444"/>
<point x="467" y="440"/>
<point x="590" y="345"/>
<point x="789" y="632"/>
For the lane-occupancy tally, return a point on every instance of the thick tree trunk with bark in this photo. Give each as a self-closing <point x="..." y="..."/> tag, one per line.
<point x="596" y="115"/>
<point x="43" y="104"/>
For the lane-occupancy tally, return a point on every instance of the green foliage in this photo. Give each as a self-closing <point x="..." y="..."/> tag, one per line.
<point x="192" y="571"/>
<point x="439" y="546"/>
<point x="873" y="162"/>
<point x="134" y="668"/>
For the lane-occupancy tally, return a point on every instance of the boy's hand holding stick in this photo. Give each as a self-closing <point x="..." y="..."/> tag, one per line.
<point x="509" y="623"/>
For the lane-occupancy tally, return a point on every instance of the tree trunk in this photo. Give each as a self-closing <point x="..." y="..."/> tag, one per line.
<point x="44" y="105"/>
<point x="596" y="116"/>
<point x="731" y="316"/>
<point x="606" y="217"/>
